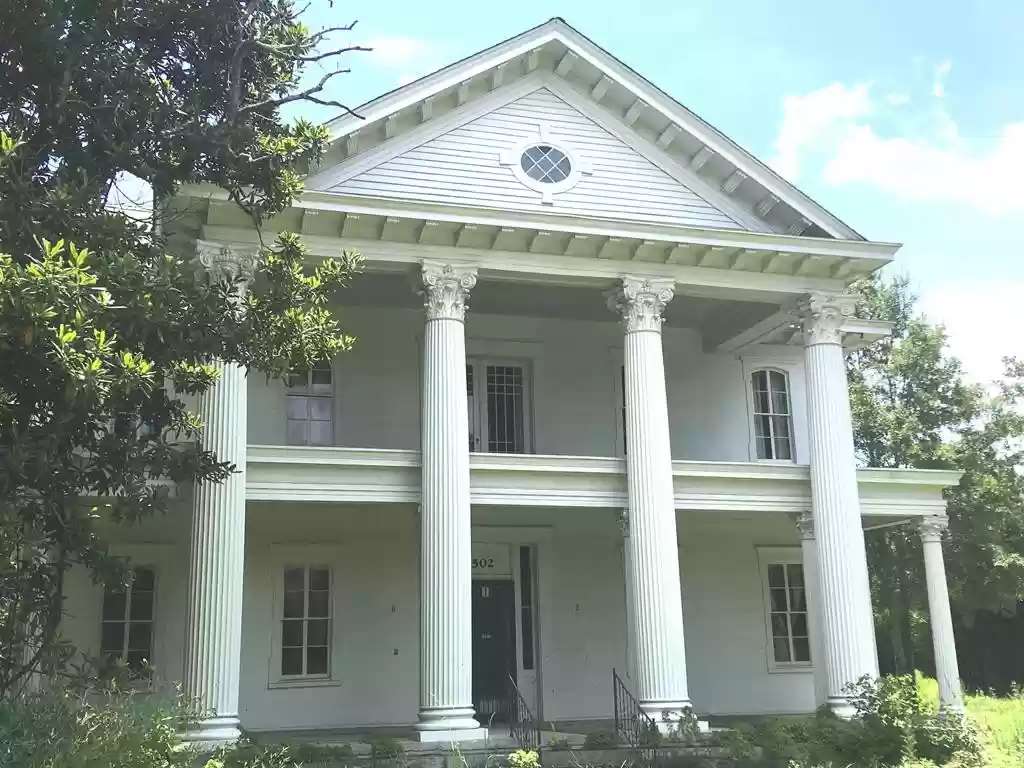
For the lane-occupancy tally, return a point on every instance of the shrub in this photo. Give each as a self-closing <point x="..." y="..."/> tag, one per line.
<point x="524" y="758"/>
<point x="890" y="728"/>
<point x="65" y="728"/>
<point x="601" y="740"/>
<point x="386" y="748"/>
<point x="557" y="742"/>
<point x="80" y="726"/>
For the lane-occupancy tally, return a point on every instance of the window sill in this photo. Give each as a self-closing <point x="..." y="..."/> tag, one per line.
<point x="775" y="668"/>
<point x="312" y="682"/>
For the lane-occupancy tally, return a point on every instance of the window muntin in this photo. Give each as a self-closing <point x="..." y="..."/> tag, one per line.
<point x="306" y="622"/>
<point x="545" y="164"/>
<point x="787" y="614"/>
<point x="498" y="401"/>
<point x="311" y="406"/>
<point x="127" y="621"/>
<point x="773" y="415"/>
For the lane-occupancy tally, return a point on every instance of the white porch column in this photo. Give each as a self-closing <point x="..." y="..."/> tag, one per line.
<point x="946" y="668"/>
<point x="213" y="621"/>
<point x="809" y="555"/>
<point x="847" y="621"/>
<point x="446" y="663"/>
<point x="652" y="549"/>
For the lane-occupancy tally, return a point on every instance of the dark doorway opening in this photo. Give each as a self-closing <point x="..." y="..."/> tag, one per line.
<point x="494" y="646"/>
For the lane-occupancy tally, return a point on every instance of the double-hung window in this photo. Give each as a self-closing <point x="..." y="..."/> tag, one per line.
<point x="786" y="598"/>
<point x="306" y="623"/>
<point x="127" y="621"/>
<point x="773" y="415"/>
<point x="498" y="393"/>
<point x="310" y="397"/>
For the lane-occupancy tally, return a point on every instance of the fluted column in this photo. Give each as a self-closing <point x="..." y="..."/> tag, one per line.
<point x="652" y="561"/>
<point x="847" y="621"/>
<point x="947" y="671"/>
<point x="446" y="657"/>
<point x="213" y="622"/>
<point x="804" y="522"/>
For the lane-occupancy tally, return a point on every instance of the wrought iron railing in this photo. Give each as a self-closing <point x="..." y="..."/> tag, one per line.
<point x="522" y="725"/>
<point x="632" y="725"/>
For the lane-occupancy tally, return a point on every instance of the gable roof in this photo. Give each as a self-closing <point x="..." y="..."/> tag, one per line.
<point x="470" y="165"/>
<point x="670" y="134"/>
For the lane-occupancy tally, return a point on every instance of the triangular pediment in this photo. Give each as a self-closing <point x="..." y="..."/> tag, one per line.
<point x="576" y="70"/>
<point x="479" y="164"/>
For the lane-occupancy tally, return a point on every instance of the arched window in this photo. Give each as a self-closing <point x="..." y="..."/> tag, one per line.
<point x="773" y="415"/>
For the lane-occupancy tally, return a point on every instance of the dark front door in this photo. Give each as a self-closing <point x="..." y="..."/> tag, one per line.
<point x="494" y="645"/>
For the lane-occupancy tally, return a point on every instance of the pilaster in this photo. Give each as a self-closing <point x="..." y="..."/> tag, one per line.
<point x="804" y="522"/>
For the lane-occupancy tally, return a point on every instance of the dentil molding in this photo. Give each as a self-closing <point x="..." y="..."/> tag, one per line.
<point x="641" y="302"/>
<point x="445" y="290"/>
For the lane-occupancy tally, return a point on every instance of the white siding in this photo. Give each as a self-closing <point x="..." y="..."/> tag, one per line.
<point x="462" y="167"/>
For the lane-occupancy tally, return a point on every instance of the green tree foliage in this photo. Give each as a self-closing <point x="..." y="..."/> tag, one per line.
<point x="104" y="325"/>
<point x="912" y="407"/>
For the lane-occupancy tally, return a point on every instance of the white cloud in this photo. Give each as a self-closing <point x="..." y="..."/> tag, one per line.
<point x="923" y="169"/>
<point x="854" y="137"/>
<point x="942" y="70"/>
<point x="983" y="322"/>
<point x="809" y="118"/>
<point x="397" y="51"/>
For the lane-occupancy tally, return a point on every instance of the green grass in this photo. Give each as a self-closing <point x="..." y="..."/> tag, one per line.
<point x="999" y="720"/>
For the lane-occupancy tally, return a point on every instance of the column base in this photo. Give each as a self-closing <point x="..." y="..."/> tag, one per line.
<point x="213" y="731"/>
<point x="449" y="724"/>
<point x="667" y="714"/>
<point x="842" y="707"/>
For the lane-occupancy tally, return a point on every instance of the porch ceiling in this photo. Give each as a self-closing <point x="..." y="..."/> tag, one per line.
<point x="715" y="318"/>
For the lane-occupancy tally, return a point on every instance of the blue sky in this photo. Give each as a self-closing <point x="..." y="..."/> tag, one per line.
<point x="906" y="119"/>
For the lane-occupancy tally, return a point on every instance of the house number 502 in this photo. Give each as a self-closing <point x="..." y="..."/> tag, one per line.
<point x="483" y="562"/>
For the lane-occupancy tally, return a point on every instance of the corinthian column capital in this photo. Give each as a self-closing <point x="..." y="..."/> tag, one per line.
<point x="226" y="262"/>
<point x="823" y="315"/>
<point x="804" y="522"/>
<point x="641" y="302"/>
<point x="932" y="527"/>
<point x="445" y="290"/>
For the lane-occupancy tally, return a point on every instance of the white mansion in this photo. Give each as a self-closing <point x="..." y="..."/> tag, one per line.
<point x="596" y="419"/>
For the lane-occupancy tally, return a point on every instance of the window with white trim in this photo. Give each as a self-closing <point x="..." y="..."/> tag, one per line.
<point x="127" y="622"/>
<point x="310" y="396"/>
<point x="498" y="393"/>
<point x="306" y="623"/>
<point x="773" y="415"/>
<point x="786" y="611"/>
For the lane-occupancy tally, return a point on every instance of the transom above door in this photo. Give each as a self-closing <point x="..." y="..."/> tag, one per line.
<point x="498" y="391"/>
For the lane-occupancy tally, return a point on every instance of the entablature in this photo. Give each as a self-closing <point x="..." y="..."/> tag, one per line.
<point x="360" y="475"/>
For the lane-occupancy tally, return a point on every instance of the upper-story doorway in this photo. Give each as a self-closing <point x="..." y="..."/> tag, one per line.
<point x="498" y="392"/>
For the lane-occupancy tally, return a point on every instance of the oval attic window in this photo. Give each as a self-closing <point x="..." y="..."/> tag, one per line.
<point x="546" y="164"/>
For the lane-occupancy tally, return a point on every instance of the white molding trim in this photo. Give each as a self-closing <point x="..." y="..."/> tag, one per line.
<point x="362" y="475"/>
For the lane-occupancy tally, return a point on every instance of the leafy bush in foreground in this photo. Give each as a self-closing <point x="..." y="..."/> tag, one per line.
<point x="890" y="728"/>
<point x="109" y="728"/>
